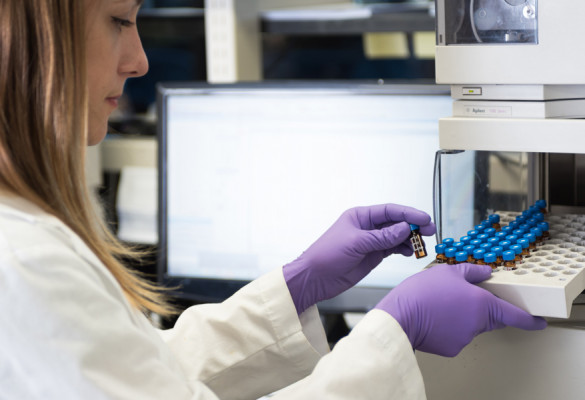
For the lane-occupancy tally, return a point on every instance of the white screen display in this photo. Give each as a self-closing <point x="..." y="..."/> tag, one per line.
<point x="255" y="176"/>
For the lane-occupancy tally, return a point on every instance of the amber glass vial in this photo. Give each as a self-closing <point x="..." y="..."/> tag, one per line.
<point x="418" y="245"/>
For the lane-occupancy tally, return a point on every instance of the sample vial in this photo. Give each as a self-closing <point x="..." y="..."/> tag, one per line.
<point x="525" y="243"/>
<point x="418" y="245"/>
<point x="532" y="240"/>
<point x="545" y="233"/>
<point x="493" y="241"/>
<point x="478" y="256"/>
<point x="450" y="254"/>
<point x="475" y="243"/>
<point x="517" y="249"/>
<point x="486" y="247"/>
<point x="460" y="257"/>
<point x="512" y="238"/>
<point x="509" y="263"/>
<point x="469" y="250"/>
<point x="506" y="244"/>
<point x="538" y="233"/>
<point x="501" y="235"/>
<point x="483" y="237"/>
<point x="541" y="204"/>
<point x="498" y="250"/>
<point x="465" y="240"/>
<point x="495" y="221"/>
<point x="490" y="259"/>
<point x="440" y="250"/>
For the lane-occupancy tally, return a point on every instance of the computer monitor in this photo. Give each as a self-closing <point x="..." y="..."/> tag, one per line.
<point x="251" y="174"/>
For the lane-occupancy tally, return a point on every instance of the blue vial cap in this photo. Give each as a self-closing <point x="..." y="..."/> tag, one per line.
<point x="544" y="226"/>
<point x="465" y="239"/>
<point x="521" y="219"/>
<point x="531" y="222"/>
<point x="448" y="241"/>
<point x="507" y="230"/>
<point x="461" y="256"/>
<point x="469" y="249"/>
<point x="519" y="232"/>
<point x="440" y="248"/>
<point x="531" y="237"/>
<point x="493" y="241"/>
<point x="501" y="235"/>
<point x="490" y="232"/>
<point x="472" y="234"/>
<point x="494" y="218"/>
<point x="505" y="244"/>
<point x="539" y="217"/>
<point x="526" y="213"/>
<point x="475" y="242"/>
<point x="540" y="203"/>
<point x="483" y="237"/>
<point x="508" y="255"/>
<point x="489" y="257"/>
<point x="499" y="250"/>
<point x="458" y="245"/>
<point x="485" y="246"/>
<point x="516" y="248"/>
<point x="512" y="238"/>
<point x="524" y="243"/>
<point x="533" y="209"/>
<point x="479" y="228"/>
<point x="414" y="227"/>
<point x="478" y="254"/>
<point x="537" y="231"/>
<point x="513" y="224"/>
<point x="486" y="224"/>
<point x="525" y="226"/>
<point x="450" y="252"/>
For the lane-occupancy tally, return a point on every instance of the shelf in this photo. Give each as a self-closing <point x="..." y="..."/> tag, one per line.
<point x="528" y="135"/>
<point x="350" y="19"/>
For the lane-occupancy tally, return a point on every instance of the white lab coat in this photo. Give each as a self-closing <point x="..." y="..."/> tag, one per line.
<point x="67" y="332"/>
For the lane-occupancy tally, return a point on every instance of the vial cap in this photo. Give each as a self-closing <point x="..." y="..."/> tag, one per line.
<point x="465" y="239"/>
<point x="516" y="248"/>
<point x="530" y="236"/>
<point x="485" y="246"/>
<point x="472" y="234"/>
<point x="475" y="242"/>
<point x="440" y="248"/>
<point x="533" y="209"/>
<point x="539" y="217"/>
<point x="543" y="226"/>
<point x="512" y="238"/>
<point x="448" y="241"/>
<point x="499" y="250"/>
<point x="524" y="243"/>
<point x="483" y="237"/>
<point x="478" y="254"/>
<point x="500" y="235"/>
<point x="489" y="257"/>
<point x="479" y="228"/>
<point x="536" y="230"/>
<point x="469" y="249"/>
<point x="414" y="227"/>
<point x="458" y="245"/>
<point x="506" y="244"/>
<point x="519" y="232"/>
<point x="460" y="256"/>
<point x="490" y="231"/>
<point x="526" y="213"/>
<point x="494" y="218"/>
<point x="541" y="203"/>
<point x="450" y="252"/>
<point x="508" y="255"/>
<point x="507" y="230"/>
<point x="493" y="241"/>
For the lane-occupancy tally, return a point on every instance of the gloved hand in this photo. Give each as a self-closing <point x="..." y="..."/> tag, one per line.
<point x="357" y="242"/>
<point x="441" y="310"/>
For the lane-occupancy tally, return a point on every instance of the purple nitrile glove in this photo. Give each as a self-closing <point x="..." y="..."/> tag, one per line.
<point x="357" y="242"/>
<point x="441" y="310"/>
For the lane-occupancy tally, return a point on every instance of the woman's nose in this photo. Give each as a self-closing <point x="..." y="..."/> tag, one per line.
<point x="134" y="63"/>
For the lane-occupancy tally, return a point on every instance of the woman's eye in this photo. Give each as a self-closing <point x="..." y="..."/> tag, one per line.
<point x="121" y="22"/>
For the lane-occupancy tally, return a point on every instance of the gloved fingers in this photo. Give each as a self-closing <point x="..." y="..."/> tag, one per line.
<point x="428" y="230"/>
<point x="511" y="315"/>
<point x="385" y="238"/>
<point x="404" y="248"/>
<point x="474" y="273"/>
<point x="385" y="213"/>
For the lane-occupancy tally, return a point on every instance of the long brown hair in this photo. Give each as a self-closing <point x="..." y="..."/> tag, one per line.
<point x="43" y="128"/>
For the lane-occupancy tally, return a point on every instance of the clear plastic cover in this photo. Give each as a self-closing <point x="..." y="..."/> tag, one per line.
<point x="488" y="21"/>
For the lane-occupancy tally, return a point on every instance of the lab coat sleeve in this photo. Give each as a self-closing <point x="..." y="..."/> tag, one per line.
<point x="375" y="361"/>
<point x="251" y="344"/>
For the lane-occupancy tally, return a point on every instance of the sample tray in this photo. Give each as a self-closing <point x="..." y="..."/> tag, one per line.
<point x="547" y="282"/>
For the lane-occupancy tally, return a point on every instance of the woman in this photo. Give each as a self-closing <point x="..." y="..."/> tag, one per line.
<point x="72" y="315"/>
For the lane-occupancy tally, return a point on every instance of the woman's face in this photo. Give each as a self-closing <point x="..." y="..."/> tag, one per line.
<point x="114" y="54"/>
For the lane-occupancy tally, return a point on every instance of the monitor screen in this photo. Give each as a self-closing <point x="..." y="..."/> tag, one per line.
<point x="252" y="174"/>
